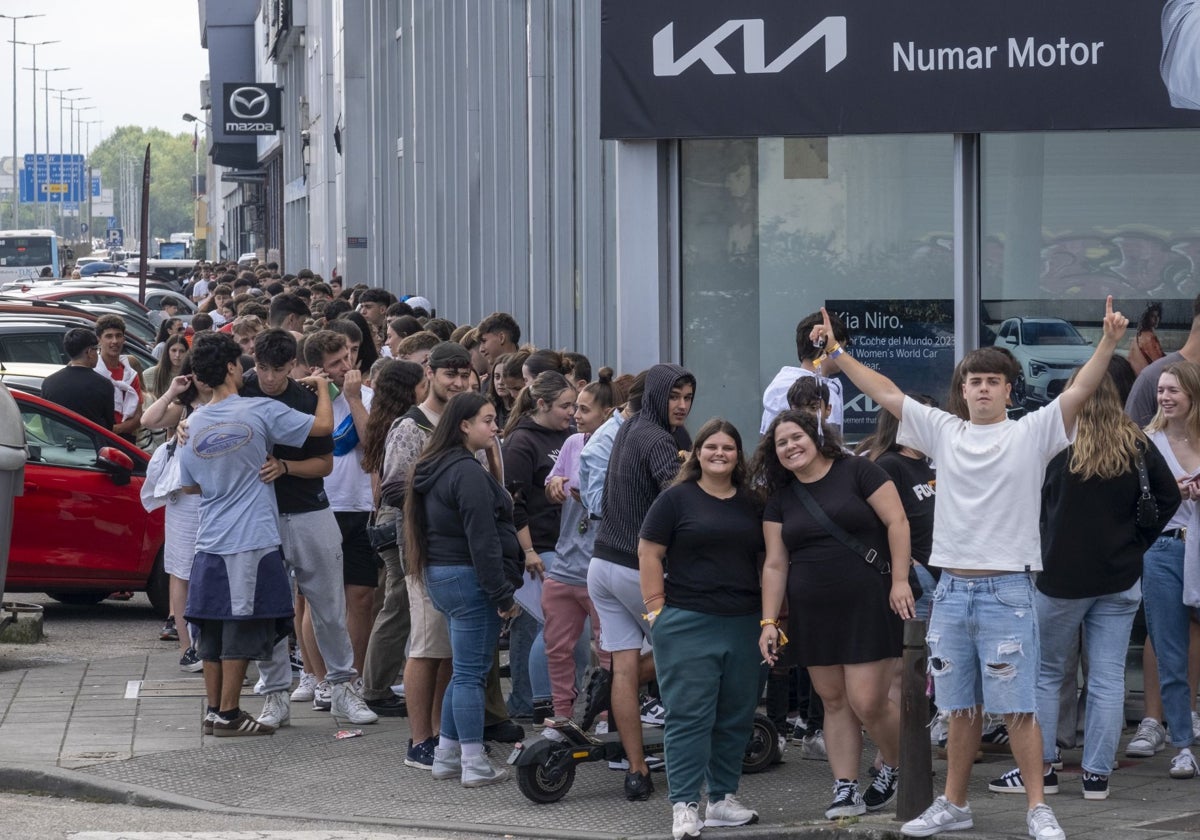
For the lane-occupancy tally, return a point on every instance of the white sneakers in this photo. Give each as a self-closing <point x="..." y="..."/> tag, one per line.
<point x="686" y="823"/>
<point x="276" y="710"/>
<point x="1183" y="766"/>
<point x="728" y="811"/>
<point x="1150" y="739"/>
<point x="942" y="815"/>
<point x="347" y="703"/>
<point x="306" y="689"/>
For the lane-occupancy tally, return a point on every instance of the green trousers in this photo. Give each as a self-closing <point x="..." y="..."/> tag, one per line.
<point x="708" y="673"/>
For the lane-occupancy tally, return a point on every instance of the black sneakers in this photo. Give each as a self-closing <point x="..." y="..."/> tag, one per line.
<point x="506" y="732"/>
<point x="883" y="790"/>
<point x="638" y="787"/>
<point x="847" y="802"/>
<point x="1094" y="786"/>
<point x="1011" y="782"/>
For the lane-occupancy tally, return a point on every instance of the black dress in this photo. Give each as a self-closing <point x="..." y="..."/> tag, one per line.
<point x="838" y="611"/>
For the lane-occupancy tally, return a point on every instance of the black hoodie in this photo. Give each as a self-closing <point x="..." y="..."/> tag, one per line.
<point x="468" y="522"/>
<point x="645" y="459"/>
<point x="529" y="454"/>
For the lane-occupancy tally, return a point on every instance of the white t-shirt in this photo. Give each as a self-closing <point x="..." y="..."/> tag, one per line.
<point x="349" y="485"/>
<point x="989" y="484"/>
<point x="775" y="397"/>
<point x="1180" y="64"/>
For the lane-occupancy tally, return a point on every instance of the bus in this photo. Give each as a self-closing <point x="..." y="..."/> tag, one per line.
<point x="28" y="254"/>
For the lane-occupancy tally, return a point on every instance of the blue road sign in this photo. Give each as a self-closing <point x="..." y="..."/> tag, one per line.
<point x="57" y="179"/>
<point x="116" y="237"/>
<point x="112" y="222"/>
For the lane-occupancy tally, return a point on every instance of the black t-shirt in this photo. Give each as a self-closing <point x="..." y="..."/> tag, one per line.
<point x="712" y="549"/>
<point x="292" y="493"/>
<point x="914" y="480"/>
<point x="842" y="493"/>
<point x="83" y="391"/>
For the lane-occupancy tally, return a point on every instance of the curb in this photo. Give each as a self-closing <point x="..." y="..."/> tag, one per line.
<point x="57" y="781"/>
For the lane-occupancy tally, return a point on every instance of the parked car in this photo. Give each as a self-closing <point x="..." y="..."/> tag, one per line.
<point x="39" y="340"/>
<point x="1048" y="351"/>
<point x="80" y="532"/>
<point x="74" y="290"/>
<point x="25" y="376"/>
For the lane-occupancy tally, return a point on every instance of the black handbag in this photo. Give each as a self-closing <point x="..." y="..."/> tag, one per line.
<point x="384" y="536"/>
<point x="869" y="554"/>
<point x="1147" y="508"/>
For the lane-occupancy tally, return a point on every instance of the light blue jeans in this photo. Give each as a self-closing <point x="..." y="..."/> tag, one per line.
<point x="1106" y="622"/>
<point x="1167" y="620"/>
<point x="474" y="633"/>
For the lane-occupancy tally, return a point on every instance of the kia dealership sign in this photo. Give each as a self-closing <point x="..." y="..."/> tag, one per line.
<point x="751" y="68"/>
<point x="251" y="108"/>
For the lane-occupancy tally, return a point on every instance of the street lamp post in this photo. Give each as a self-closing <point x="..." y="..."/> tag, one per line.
<point x="46" y="71"/>
<point x="16" y="192"/>
<point x="78" y="144"/>
<point x="62" y="98"/>
<point x="33" y="103"/>
<point x="87" y="162"/>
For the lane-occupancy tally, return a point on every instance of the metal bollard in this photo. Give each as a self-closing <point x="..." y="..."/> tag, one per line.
<point x="915" y="792"/>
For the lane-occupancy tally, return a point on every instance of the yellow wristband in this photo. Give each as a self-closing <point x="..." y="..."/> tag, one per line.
<point x="653" y="614"/>
<point x="774" y="622"/>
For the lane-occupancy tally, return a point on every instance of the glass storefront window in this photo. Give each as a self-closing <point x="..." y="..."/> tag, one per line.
<point x="774" y="228"/>
<point x="1069" y="218"/>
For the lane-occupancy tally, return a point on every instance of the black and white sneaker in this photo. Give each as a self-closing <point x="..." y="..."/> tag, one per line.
<point x="190" y="663"/>
<point x="883" y="790"/>
<point x="1095" y="786"/>
<point x="847" y="802"/>
<point x="1011" y="782"/>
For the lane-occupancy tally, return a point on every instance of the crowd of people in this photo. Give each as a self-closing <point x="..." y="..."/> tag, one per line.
<point x="402" y="495"/>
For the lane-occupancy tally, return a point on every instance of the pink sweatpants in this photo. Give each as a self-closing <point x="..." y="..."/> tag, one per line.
<point x="565" y="608"/>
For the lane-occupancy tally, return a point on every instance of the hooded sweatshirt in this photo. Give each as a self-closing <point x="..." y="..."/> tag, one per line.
<point x="468" y="522"/>
<point x="644" y="460"/>
<point x="530" y="452"/>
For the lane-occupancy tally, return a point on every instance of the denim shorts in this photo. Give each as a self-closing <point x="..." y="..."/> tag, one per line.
<point x="983" y="643"/>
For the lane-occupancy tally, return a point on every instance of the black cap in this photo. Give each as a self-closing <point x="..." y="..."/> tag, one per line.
<point x="449" y="354"/>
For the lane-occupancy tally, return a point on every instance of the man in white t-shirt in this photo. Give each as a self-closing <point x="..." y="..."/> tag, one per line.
<point x="1180" y="65"/>
<point x="349" y="486"/>
<point x="775" y="397"/>
<point x="986" y="539"/>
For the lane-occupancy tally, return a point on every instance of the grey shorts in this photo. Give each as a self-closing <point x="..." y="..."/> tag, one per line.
<point x="616" y="592"/>
<point x="429" y="637"/>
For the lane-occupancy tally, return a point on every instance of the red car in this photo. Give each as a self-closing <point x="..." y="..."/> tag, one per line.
<point x="80" y="532"/>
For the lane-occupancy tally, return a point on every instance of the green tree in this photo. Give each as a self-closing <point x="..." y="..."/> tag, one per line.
<point x="172" y="165"/>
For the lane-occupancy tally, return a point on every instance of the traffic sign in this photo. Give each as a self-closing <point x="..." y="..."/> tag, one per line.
<point x="112" y="222"/>
<point x="53" y="178"/>
<point x="116" y="237"/>
<point x="83" y="227"/>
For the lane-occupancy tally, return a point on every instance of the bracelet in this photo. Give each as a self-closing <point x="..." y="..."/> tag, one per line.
<point x="286" y="471"/>
<point x="835" y="351"/>
<point x="653" y="614"/>
<point x="653" y="597"/>
<point x="774" y="622"/>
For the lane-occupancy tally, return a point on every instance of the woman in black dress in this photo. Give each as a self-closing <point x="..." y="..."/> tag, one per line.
<point x="845" y="615"/>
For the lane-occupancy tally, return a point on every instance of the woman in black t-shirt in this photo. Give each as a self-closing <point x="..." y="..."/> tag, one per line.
<point x="845" y="615"/>
<point x="705" y="533"/>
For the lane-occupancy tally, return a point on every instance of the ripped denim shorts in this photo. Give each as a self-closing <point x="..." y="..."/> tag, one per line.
<point x="983" y="643"/>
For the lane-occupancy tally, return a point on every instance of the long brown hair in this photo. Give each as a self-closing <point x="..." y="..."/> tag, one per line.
<point x="395" y="393"/>
<point x="447" y="435"/>
<point x="767" y="474"/>
<point x="1105" y="438"/>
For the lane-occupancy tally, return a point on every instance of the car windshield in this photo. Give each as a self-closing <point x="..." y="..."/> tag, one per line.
<point x="1052" y="332"/>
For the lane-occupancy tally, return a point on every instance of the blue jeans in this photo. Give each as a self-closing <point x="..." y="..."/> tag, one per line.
<point x="928" y="585"/>
<point x="474" y="633"/>
<point x="527" y="663"/>
<point x="1167" y="619"/>
<point x="1106" y="621"/>
<point x="983" y="643"/>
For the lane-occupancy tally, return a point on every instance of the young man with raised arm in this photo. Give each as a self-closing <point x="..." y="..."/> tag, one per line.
<point x="985" y="538"/>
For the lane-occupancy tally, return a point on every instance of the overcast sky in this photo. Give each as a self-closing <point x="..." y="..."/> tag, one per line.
<point x="140" y="61"/>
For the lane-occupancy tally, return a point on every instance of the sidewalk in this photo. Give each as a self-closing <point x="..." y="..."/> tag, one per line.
<point x="128" y="730"/>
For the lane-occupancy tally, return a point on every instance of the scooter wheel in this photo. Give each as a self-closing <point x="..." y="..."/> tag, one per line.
<point x="539" y="787"/>
<point x="763" y="749"/>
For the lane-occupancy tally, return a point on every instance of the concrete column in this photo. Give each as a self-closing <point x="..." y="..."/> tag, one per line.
<point x="642" y="267"/>
<point x="356" y="146"/>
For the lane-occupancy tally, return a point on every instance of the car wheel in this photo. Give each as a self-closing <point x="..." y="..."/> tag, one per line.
<point x="1018" y="390"/>
<point x="158" y="587"/>
<point x="79" y="599"/>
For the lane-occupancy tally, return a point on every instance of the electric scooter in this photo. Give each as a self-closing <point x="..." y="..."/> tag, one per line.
<point x="546" y="765"/>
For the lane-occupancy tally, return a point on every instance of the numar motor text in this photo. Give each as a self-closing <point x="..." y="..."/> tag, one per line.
<point x="1019" y="53"/>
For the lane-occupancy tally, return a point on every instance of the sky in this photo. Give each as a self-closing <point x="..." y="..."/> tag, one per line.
<point x="140" y="61"/>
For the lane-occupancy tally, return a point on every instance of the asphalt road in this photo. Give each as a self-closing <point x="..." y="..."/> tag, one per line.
<point x="106" y="630"/>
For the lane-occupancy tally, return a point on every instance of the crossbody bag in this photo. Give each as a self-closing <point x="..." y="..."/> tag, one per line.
<point x="839" y="533"/>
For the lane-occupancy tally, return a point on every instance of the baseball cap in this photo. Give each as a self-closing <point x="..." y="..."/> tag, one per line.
<point x="418" y="302"/>
<point x="449" y="354"/>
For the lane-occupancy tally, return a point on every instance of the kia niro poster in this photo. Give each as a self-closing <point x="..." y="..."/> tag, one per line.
<point x="753" y="68"/>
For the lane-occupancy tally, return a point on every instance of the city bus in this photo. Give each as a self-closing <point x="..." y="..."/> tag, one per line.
<point x="27" y="254"/>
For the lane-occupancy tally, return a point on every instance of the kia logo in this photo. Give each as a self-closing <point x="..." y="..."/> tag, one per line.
<point x="249" y="103"/>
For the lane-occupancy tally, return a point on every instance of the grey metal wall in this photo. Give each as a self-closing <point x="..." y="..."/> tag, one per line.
<point x="491" y="188"/>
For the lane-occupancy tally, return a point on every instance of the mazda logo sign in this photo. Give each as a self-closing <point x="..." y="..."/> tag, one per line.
<point x="249" y="103"/>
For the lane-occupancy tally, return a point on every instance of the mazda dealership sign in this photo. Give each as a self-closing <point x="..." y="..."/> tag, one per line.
<point x="717" y="68"/>
<point x="251" y="108"/>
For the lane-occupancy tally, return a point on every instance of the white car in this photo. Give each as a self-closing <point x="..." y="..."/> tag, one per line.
<point x="1048" y="351"/>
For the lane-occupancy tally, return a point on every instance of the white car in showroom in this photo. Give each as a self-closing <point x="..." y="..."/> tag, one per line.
<point x="1048" y="351"/>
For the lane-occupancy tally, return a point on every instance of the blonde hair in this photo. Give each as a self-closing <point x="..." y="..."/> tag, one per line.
<point x="1188" y="374"/>
<point x="1106" y="440"/>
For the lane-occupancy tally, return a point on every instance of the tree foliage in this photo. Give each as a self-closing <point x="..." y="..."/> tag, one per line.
<point x="172" y="164"/>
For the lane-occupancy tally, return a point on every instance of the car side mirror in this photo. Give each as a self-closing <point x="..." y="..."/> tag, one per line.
<point x="116" y="463"/>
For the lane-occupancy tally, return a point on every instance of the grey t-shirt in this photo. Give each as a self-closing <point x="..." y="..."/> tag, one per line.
<point x="227" y="445"/>
<point x="1143" y="398"/>
<point x="1181" y="52"/>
